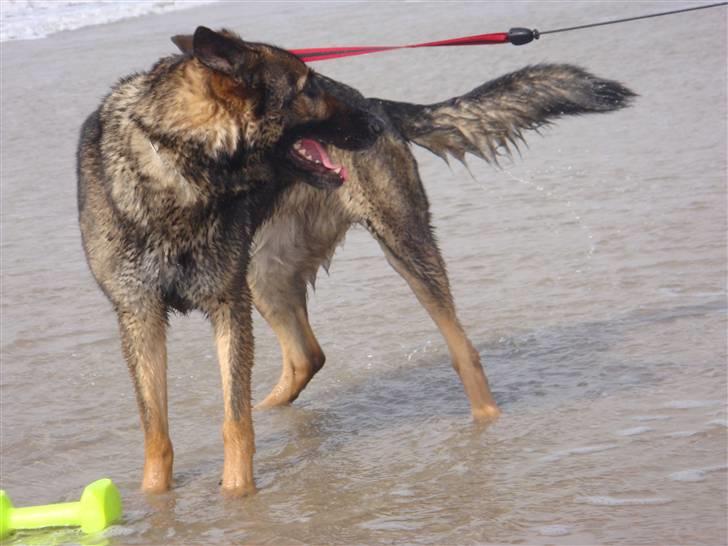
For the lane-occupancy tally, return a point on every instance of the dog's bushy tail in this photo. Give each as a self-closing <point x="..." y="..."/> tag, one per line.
<point x="489" y="120"/>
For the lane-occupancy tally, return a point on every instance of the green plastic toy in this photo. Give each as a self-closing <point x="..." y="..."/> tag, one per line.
<point x="99" y="507"/>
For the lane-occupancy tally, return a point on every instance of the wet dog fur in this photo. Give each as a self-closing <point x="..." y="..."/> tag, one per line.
<point x="177" y="169"/>
<point x="385" y="195"/>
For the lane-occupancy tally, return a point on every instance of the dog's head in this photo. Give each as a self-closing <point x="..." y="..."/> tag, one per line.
<point x="290" y="111"/>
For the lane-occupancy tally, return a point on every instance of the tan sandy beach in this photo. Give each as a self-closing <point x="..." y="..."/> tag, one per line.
<point x="590" y="274"/>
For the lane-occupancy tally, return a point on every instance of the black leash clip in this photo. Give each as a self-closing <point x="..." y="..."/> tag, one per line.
<point x="521" y="36"/>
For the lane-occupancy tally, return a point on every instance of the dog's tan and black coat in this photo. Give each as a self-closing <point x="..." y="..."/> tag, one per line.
<point x="385" y="194"/>
<point x="176" y="170"/>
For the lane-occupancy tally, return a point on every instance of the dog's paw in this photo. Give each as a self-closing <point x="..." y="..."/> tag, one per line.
<point x="236" y="491"/>
<point x="486" y="415"/>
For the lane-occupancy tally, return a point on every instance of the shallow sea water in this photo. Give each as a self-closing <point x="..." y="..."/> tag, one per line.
<point x="590" y="274"/>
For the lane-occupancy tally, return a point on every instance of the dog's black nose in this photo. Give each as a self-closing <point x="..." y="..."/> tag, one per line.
<point x="376" y="126"/>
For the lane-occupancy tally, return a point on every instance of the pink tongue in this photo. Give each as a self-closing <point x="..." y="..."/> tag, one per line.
<point x="316" y="150"/>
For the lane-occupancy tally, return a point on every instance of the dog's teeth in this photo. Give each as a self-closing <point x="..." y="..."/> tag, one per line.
<point x="303" y="152"/>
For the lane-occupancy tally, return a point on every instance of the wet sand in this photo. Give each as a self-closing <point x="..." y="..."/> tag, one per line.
<point x="590" y="274"/>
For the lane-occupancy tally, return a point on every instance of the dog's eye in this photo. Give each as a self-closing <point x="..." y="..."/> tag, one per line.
<point x="311" y="89"/>
<point x="310" y="92"/>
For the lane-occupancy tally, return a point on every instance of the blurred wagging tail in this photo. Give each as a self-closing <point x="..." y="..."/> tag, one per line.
<point x="177" y="169"/>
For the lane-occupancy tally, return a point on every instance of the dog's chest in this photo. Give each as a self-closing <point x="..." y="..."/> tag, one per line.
<point x="198" y="259"/>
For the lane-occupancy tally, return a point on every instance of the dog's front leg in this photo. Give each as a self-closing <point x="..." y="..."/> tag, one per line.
<point x="143" y="340"/>
<point x="234" y="337"/>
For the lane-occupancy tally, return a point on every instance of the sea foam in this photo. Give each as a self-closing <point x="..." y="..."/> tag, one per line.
<point x="32" y="19"/>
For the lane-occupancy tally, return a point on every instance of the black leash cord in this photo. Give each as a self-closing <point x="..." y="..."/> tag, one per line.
<point x="632" y="18"/>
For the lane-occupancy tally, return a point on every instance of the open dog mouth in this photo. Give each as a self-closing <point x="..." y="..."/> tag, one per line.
<point x="311" y="156"/>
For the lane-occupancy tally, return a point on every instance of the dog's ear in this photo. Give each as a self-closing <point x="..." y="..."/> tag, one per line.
<point x="183" y="42"/>
<point x="220" y="52"/>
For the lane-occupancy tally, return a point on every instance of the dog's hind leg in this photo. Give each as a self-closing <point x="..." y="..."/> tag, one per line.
<point x="387" y="197"/>
<point x="419" y="262"/>
<point x="286" y="313"/>
<point x="234" y="338"/>
<point x="289" y="251"/>
<point x="143" y="339"/>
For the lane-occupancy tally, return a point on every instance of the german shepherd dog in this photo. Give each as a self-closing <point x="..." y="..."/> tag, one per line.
<point x="384" y="193"/>
<point x="176" y="170"/>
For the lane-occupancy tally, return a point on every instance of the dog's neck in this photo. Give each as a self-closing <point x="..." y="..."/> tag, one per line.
<point x="195" y="103"/>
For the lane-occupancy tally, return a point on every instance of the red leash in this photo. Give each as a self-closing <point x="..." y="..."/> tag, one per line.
<point x="516" y="36"/>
